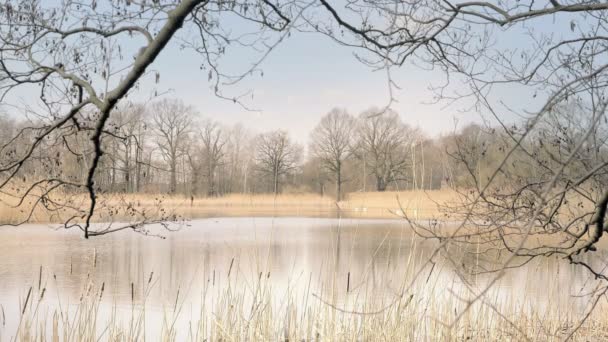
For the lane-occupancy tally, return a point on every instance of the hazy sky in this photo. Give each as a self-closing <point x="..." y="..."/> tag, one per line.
<point x="305" y="77"/>
<point x="309" y="74"/>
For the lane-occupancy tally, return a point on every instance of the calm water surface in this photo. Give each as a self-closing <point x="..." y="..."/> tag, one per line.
<point x="323" y="256"/>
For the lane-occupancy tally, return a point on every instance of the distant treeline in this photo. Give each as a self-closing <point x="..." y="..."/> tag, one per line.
<point x="167" y="147"/>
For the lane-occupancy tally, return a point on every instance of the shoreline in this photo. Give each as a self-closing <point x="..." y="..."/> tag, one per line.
<point x="417" y="205"/>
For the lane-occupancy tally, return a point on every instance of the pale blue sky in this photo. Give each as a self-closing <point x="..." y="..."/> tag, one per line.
<point x="305" y="77"/>
<point x="308" y="74"/>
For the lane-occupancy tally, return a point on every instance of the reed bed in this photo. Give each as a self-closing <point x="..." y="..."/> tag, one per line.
<point x="414" y="204"/>
<point x="229" y="303"/>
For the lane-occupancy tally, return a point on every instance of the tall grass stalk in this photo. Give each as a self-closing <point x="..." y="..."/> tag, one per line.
<point x="238" y="305"/>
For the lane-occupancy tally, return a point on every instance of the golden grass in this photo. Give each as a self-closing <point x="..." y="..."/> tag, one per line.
<point x="415" y="204"/>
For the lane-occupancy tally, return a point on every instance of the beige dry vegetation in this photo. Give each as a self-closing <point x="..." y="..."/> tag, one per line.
<point x="390" y="204"/>
<point x="414" y="204"/>
<point x="235" y="307"/>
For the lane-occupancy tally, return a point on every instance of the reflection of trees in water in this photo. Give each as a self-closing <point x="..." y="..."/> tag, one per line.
<point x="380" y="257"/>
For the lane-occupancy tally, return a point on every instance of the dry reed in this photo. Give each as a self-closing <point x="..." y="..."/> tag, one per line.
<point x="236" y="306"/>
<point x="415" y="204"/>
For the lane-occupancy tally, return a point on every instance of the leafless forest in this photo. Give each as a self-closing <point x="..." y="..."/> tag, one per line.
<point x="531" y="180"/>
<point x="168" y="148"/>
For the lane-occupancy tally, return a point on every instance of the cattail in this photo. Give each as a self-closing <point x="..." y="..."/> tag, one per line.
<point x="40" y="277"/>
<point x="103" y="285"/>
<point x="230" y="268"/>
<point x="176" y="299"/>
<point x="150" y="279"/>
<point x="27" y="299"/>
<point x="348" y="283"/>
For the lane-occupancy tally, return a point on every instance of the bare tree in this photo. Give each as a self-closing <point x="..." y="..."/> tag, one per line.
<point x="384" y="142"/>
<point x="69" y="52"/>
<point x="128" y="124"/>
<point x="172" y="123"/>
<point x="276" y="156"/>
<point x="195" y="155"/>
<point x="213" y="142"/>
<point x="239" y="158"/>
<point x="331" y="142"/>
<point x="78" y="56"/>
<point x="557" y="60"/>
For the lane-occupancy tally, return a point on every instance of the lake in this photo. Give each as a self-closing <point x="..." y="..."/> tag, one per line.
<point x="289" y="275"/>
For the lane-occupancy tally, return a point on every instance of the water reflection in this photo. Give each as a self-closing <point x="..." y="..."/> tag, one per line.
<point x="323" y="256"/>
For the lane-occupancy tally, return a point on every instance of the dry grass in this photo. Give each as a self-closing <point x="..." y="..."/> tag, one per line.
<point x="235" y="307"/>
<point x="415" y="204"/>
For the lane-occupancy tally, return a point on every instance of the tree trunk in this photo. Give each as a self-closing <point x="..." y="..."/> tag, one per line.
<point x="137" y="168"/>
<point x="245" y="175"/>
<point x="194" y="190"/>
<point x="338" y="185"/>
<point x="276" y="181"/>
<point x="173" y="181"/>
<point x="113" y="177"/>
<point x="211" y="181"/>
<point x="380" y="184"/>
<point x="127" y="167"/>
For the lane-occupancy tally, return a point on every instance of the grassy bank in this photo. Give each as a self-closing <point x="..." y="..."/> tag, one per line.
<point x="420" y="204"/>
<point x="414" y="204"/>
